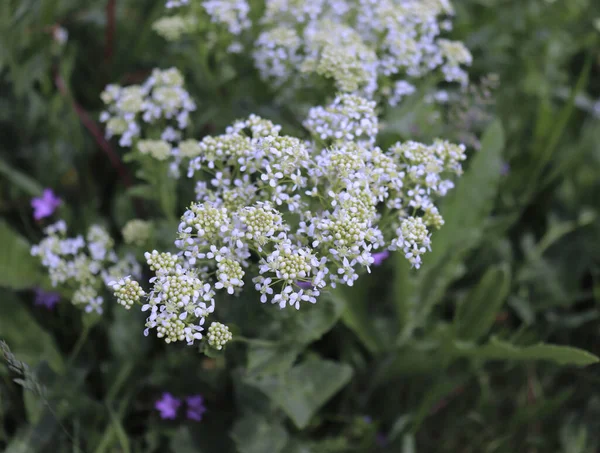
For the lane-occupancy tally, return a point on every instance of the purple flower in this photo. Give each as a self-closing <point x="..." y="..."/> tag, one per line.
<point x="167" y="406"/>
<point x="46" y="298"/>
<point x="379" y="258"/>
<point x="505" y="169"/>
<point x="45" y="205"/>
<point x="195" y="407"/>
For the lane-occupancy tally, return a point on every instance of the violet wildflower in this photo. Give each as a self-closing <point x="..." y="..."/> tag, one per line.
<point x="45" y="205"/>
<point x="380" y="257"/>
<point x="167" y="406"/>
<point x="46" y="298"/>
<point x="505" y="169"/>
<point x="195" y="407"/>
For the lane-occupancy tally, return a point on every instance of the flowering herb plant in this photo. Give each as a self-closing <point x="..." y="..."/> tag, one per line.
<point x="298" y="226"/>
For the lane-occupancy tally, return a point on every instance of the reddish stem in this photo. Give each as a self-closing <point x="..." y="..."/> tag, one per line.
<point x="110" y="31"/>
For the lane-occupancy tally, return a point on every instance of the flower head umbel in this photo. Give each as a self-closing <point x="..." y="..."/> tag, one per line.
<point x="167" y="406"/>
<point x="195" y="407"/>
<point x="85" y="265"/>
<point x="218" y="335"/>
<point x="45" y="205"/>
<point x="46" y="299"/>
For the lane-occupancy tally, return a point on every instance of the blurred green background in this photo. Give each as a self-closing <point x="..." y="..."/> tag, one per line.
<point x="442" y="360"/>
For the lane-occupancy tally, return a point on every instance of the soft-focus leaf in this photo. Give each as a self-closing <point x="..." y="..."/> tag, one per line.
<point x="27" y="184"/>
<point x="305" y="388"/>
<point x="26" y="338"/>
<point x="18" y="269"/>
<point x="499" y="350"/>
<point x="464" y="211"/>
<point x="254" y="433"/>
<point x="476" y="315"/>
<point x="305" y="327"/>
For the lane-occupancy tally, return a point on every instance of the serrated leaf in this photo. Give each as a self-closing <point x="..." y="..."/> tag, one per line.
<point x="500" y="350"/>
<point x="305" y="388"/>
<point x="18" y="269"/>
<point x="476" y="315"/>
<point x="27" y="339"/>
<point x="254" y="433"/>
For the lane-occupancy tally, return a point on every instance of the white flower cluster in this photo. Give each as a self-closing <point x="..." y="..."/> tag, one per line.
<point x="294" y="216"/>
<point x="348" y="118"/>
<point x="232" y="16"/>
<point x="172" y="28"/>
<point x="219" y="335"/>
<point x="179" y="300"/>
<point x="160" y="99"/>
<point x="137" y="232"/>
<point x="83" y="265"/>
<point x="374" y="48"/>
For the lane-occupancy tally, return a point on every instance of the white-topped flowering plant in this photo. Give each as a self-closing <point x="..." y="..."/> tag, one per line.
<point x="289" y="217"/>
<point x="83" y="266"/>
<point x="378" y="49"/>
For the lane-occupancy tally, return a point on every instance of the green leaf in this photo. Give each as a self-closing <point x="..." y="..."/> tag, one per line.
<point x="146" y="192"/>
<point x="275" y="358"/>
<point x="356" y="315"/>
<point x="254" y="433"/>
<point x="182" y="442"/>
<point x="27" y="184"/>
<point x="18" y="269"/>
<point x="403" y="290"/>
<point x="26" y="338"/>
<point x="124" y="341"/>
<point x="465" y="211"/>
<point x="305" y="388"/>
<point x="302" y="329"/>
<point x="476" y="315"/>
<point x="499" y="350"/>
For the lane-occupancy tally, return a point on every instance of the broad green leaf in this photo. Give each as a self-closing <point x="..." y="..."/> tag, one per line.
<point x="27" y="339"/>
<point x="305" y="388"/>
<point x="356" y="315"/>
<point x="275" y="358"/>
<point x="499" y="350"/>
<point x="403" y="291"/>
<point x="254" y="433"/>
<point x="304" y="328"/>
<point x="477" y="313"/>
<point x="18" y="269"/>
<point x="465" y="211"/>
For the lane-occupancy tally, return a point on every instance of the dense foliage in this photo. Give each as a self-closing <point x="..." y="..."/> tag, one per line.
<point x="411" y="186"/>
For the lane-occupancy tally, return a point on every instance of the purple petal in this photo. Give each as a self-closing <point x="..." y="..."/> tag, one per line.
<point x="379" y="258"/>
<point x="196" y="408"/>
<point x="47" y="299"/>
<point x="167" y="406"/>
<point x="45" y="205"/>
<point x="304" y="285"/>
